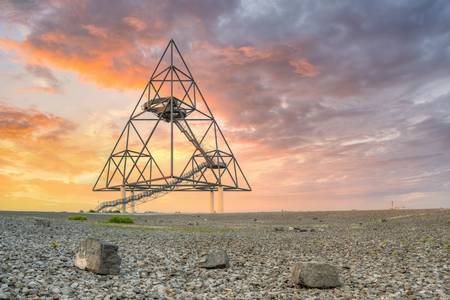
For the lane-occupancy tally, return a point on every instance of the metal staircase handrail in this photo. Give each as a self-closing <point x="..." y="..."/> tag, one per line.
<point x="153" y="192"/>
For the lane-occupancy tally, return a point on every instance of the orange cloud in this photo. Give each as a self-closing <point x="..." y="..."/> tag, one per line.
<point x="109" y="60"/>
<point x="20" y="124"/>
<point x="108" y="64"/>
<point x="42" y="157"/>
<point x="38" y="145"/>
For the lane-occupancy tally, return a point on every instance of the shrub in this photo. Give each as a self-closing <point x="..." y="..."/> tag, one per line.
<point x="120" y="219"/>
<point x="116" y="211"/>
<point x="92" y="211"/>
<point x="77" y="218"/>
<point x="54" y="245"/>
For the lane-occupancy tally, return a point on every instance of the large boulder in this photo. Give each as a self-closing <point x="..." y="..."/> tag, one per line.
<point x="315" y="275"/>
<point x="215" y="260"/>
<point x="98" y="257"/>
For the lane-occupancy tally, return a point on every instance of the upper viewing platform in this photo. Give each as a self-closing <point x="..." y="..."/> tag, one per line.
<point x="162" y="107"/>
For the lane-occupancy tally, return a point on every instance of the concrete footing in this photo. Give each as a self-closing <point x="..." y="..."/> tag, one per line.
<point x="211" y="202"/>
<point x="133" y="204"/>
<point x="124" y="195"/>
<point x="220" y="198"/>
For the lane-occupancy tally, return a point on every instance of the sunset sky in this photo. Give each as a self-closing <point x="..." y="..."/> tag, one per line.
<point x="327" y="104"/>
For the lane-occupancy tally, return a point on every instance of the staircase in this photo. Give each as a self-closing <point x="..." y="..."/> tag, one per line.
<point x="154" y="193"/>
<point x="181" y="124"/>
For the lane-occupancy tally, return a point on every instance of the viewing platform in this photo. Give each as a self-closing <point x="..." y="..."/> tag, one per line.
<point x="162" y="107"/>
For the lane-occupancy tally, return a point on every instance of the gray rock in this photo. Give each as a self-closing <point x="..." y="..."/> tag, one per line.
<point x="315" y="275"/>
<point x="74" y="285"/>
<point x="215" y="260"/>
<point x="32" y="284"/>
<point x="98" y="257"/>
<point x="66" y="291"/>
<point x="300" y="229"/>
<point x="4" y="295"/>
<point x="42" y="222"/>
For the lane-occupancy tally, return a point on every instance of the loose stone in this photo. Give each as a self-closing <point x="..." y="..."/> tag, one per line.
<point x="98" y="257"/>
<point x="315" y="275"/>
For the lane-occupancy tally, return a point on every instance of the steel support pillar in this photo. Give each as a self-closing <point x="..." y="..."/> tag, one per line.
<point x="124" y="195"/>
<point x="220" y="198"/>
<point x="133" y="204"/>
<point x="211" y="201"/>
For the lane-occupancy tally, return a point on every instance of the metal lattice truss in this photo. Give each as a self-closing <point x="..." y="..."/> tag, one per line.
<point x="171" y="141"/>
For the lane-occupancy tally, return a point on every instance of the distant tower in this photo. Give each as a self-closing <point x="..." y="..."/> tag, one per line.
<point x="171" y="142"/>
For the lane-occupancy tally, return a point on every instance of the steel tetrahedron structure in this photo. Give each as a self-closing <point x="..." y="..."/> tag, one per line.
<point x="171" y="142"/>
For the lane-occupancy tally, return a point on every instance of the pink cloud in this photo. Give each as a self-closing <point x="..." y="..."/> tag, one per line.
<point x="135" y="22"/>
<point x="304" y="67"/>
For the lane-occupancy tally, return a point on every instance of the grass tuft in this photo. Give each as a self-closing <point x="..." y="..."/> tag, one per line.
<point x="77" y="218"/>
<point x="54" y="245"/>
<point x="120" y="220"/>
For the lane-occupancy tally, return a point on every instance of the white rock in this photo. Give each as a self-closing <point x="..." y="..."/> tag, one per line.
<point x="74" y="285"/>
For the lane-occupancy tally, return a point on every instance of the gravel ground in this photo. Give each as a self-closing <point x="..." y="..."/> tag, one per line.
<point x="400" y="254"/>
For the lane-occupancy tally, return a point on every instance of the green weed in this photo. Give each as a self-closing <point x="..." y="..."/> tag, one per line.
<point x="54" y="245"/>
<point x="77" y="218"/>
<point x="120" y="220"/>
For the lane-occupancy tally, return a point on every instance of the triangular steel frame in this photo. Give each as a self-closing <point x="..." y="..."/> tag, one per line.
<point x="136" y="169"/>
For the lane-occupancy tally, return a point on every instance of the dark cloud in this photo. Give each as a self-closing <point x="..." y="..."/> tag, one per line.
<point x="434" y="131"/>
